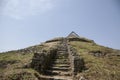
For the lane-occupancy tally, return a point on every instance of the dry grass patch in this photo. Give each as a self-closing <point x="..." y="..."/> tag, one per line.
<point x="98" y="68"/>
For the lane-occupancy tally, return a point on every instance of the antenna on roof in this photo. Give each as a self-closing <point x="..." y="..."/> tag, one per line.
<point x="73" y="35"/>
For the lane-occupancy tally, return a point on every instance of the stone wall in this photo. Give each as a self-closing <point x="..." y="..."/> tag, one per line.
<point x="55" y="40"/>
<point x="42" y="60"/>
<point x="77" y="63"/>
<point x="81" y="39"/>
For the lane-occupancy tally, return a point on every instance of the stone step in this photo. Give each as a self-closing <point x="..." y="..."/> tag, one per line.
<point x="60" y="73"/>
<point x="61" y="65"/>
<point x="61" y="62"/>
<point x="61" y="68"/>
<point x="58" y="62"/>
<point x="59" y="52"/>
<point x="43" y="77"/>
<point x="62" y="48"/>
<point x="62" y="53"/>
<point x="62" y="57"/>
<point x="65" y="50"/>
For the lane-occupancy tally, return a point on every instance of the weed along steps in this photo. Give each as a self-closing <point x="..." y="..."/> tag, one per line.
<point x="61" y="63"/>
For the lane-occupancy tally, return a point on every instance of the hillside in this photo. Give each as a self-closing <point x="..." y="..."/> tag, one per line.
<point x="71" y="58"/>
<point x="102" y="63"/>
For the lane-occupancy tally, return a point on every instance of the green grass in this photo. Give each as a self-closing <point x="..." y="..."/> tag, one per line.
<point x="84" y="46"/>
<point x="21" y="74"/>
<point x="15" y="56"/>
<point x="16" y="70"/>
<point x="13" y="60"/>
<point x="12" y="63"/>
<point x="98" y="68"/>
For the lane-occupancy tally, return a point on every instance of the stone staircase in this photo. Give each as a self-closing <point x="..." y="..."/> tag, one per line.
<point x="60" y="64"/>
<point x="60" y="68"/>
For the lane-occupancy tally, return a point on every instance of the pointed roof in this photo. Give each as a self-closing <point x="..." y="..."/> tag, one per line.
<point x="73" y="35"/>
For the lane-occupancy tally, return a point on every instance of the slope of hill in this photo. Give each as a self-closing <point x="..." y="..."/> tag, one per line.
<point x="99" y="62"/>
<point x="15" y="65"/>
<point x="102" y="63"/>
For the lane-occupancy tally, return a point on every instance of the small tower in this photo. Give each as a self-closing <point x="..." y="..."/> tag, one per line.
<point x="73" y="35"/>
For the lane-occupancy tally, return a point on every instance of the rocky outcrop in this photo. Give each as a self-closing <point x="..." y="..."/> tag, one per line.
<point x="98" y="53"/>
<point x="4" y="63"/>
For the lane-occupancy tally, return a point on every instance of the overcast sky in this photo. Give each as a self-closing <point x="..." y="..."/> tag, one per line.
<point x="25" y="23"/>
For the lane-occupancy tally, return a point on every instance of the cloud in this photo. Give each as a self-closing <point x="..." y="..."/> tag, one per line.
<point x="22" y="8"/>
